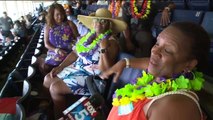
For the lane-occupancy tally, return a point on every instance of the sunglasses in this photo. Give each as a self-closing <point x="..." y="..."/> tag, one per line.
<point x="101" y="21"/>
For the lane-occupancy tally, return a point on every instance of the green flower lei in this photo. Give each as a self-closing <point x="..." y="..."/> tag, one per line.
<point x="80" y="48"/>
<point x="142" y="89"/>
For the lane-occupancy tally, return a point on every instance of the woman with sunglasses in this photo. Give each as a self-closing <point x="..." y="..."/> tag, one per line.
<point x="93" y="53"/>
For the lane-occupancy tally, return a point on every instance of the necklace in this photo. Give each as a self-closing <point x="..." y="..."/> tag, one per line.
<point x="87" y="43"/>
<point x="115" y="7"/>
<point x="146" y="9"/>
<point x="146" y="87"/>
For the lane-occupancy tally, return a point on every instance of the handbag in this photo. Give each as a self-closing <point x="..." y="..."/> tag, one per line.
<point x="95" y="85"/>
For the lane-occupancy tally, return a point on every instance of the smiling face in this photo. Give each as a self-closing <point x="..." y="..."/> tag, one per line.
<point x="170" y="55"/>
<point x="58" y="16"/>
<point x="101" y="25"/>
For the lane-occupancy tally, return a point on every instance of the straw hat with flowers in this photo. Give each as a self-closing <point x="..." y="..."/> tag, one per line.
<point x="103" y="13"/>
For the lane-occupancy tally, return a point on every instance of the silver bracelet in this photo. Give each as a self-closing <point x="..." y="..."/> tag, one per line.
<point x="56" y="50"/>
<point x="127" y="62"/>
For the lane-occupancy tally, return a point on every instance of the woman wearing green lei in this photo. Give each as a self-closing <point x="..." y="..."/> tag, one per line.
<point x="93" y="53"/>
<point x="165" y="90"/>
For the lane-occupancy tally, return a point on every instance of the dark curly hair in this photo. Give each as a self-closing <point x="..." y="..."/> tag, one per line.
<point x="199" y="41"/>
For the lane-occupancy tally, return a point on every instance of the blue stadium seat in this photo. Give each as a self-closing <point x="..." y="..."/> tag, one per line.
<point x="211" y="5"/>
<point x="187" y="15"/>
<point x="207" y="25"/>
<point x="208" y="22"/>
<point x="199" y="5"/>
<point x="180" y="4"/>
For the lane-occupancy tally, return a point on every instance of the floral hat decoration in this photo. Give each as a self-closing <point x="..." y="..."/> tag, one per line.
<point x="103" y="13"/>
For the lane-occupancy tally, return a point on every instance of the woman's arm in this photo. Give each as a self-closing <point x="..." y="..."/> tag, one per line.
<point x="74" y="29"/>
<point x="138" y="63"/>
<point x="165" y="18"/>
<point x="46" y="39"/>
<point x="109" y="52"/>
<point x="72" y="57"/>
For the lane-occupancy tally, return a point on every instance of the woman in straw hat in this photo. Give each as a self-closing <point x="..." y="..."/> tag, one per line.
<point x="93" y="53"/>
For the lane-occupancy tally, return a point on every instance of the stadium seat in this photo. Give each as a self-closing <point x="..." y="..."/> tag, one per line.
<point x="208" y="22"/>
<point x="31" y="72"/>
<point x="20" y="112"/>
<point x="199" y="5"/>
<point x="187" y="15"/>
<point x="180" y="4"/>
<point x="207" y="25"/>
<point x="13" y="86"/>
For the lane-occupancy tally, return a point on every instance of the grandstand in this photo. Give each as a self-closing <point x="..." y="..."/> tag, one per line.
<point x="21" y="79"/>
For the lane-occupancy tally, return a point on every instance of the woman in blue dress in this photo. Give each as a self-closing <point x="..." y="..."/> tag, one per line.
<point x="92" y="54"/>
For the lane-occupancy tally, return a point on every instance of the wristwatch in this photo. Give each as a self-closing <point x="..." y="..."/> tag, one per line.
<point x="103" y="50"/>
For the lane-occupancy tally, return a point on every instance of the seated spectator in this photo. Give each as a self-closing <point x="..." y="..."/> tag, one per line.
<point x="68" y="10"/>
<point x="76" y="6"/>
<point x="94" y="52"/>
<point x="20" y="31"/>
<point x="6" y="24"/>
<point x="164" y="90"/>
<point x="23" y="21"/>
<point x="42" y="16"/>
<point x="28" y="24"/>
<point x="60" y="35"/>
<point x="138" y="38"/>
<point x="28" y="21"/>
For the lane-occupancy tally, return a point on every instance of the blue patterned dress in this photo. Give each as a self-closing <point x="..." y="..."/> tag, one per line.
<point x="74" y="75"/>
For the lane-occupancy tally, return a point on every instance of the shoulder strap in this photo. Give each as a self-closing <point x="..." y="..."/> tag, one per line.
<point x="186" y="93"/>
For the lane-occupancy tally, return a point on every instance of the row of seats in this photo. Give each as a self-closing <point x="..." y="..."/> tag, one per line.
<point x="205" y="5"/>
<point x="18" y="82"/>
<point x="7" y="50"/>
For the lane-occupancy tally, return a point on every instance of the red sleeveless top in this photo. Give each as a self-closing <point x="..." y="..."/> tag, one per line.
<point x="134" y="115"/>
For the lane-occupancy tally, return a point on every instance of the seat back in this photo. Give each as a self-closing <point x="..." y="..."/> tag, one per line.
<point x="180" y="4"/>
<point x="187" y="15"/>
<point x="207" y="22"/>
<point x="199" y="5"/>
<point x="20" y="112"/>
<point x="26" y="89"/>
<point x="207" y="25"/>
<point x="13" y="85"/>
<point x="21" y="103"/>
